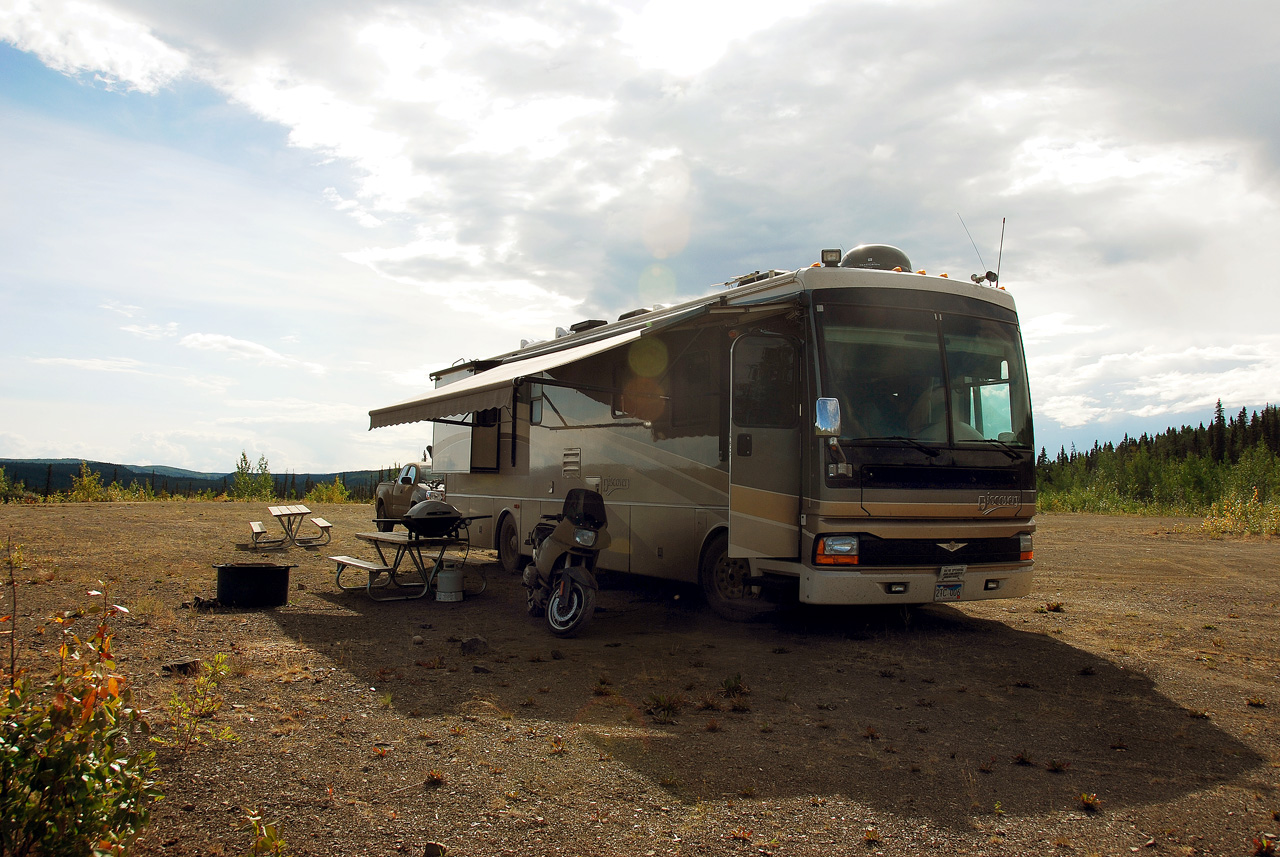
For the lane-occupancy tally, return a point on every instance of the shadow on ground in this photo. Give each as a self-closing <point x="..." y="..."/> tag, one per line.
<point x="926" y="712"/>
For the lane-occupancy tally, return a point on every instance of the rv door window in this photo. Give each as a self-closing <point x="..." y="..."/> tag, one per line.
<point x="764" y="382"/>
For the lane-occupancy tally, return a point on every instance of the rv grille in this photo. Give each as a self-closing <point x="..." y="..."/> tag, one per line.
<point x="873" y="551"/>
<point x="937" y="478"/>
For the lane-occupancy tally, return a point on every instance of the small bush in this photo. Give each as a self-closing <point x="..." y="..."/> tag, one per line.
<point x="72" y="781"/>
<point x="252" y="483"/>
<point x="88" y="487"/>
<point x="194" y="703"/>
<point x="329" y="492"/>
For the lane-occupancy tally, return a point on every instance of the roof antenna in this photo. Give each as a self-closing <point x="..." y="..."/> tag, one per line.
<point x="974" y="243"/>
<point x="1000" y="256"/>
<point x="992" y="277"/>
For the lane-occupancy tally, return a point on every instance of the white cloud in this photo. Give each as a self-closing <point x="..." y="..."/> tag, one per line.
<point x="126" y="310"/>
<point x="78" y="37"/>
<point x="286" y="410"/>
<point x="152" y="331"/>
<point x="96" y="364"/>
<point x="244" y="350"/>
<point x="685" y="38"/>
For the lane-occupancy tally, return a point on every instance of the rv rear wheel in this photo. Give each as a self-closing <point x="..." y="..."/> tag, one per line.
<point x="509" y="545"/>
<point x="725" y="583"/>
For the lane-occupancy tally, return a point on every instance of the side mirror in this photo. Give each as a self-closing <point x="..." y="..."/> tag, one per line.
<point x="826" y="418"/>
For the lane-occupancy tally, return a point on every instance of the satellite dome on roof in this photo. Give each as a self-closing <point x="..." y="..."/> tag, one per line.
<point x="883" y="257"/>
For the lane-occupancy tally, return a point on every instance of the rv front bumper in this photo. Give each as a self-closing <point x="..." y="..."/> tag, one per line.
<point x="914" y="585"/>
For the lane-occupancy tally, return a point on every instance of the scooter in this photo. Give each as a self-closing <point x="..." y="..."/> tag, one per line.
<point x="560" y="583"/>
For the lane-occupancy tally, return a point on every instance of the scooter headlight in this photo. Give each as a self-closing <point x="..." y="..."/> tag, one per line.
<point x="584" y="537"/>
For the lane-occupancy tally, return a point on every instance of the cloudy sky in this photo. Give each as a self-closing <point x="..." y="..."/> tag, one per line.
<point x="241" y="225"/>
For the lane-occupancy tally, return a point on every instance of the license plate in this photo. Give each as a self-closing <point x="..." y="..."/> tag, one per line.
<point x="947" y="591"/>
<point x="951" y="573"/>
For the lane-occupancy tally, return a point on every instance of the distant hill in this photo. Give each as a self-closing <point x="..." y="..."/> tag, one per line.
<point x="50" y="475"/>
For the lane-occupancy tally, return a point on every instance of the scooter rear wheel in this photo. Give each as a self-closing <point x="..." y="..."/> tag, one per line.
<point x="570" y="608"/>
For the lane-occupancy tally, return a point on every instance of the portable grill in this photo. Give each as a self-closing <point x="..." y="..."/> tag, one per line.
<point x="435" y="519"/>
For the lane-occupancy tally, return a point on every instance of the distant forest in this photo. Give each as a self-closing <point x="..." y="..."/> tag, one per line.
<point x="1183" y="471"/>
<point x="47" y="479"/>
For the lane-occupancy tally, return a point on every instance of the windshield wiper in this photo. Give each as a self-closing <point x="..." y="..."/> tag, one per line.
<point x="1004" y="447"/>
<point x="927" y="450"/>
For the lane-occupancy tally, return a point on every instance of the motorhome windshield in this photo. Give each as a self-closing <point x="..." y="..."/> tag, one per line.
<point x="923" y="375"/>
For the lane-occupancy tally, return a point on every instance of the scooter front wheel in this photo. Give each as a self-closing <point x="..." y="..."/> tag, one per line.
<point x="570" y="607"/>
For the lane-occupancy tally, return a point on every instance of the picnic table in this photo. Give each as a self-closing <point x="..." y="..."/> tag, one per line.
<point x="290" y="518"/>
<point x="426" y="557"/>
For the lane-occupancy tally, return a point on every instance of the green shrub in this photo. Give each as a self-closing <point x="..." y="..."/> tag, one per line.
<point x="329" y="492"/>
<point x="197" y="702"/>
<point x="88" y="487"/>
<point x="252" y="483"/>
<point x="71" y="782"/>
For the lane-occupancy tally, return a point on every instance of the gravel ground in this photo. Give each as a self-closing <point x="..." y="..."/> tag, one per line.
<point x="1142" y="669"/>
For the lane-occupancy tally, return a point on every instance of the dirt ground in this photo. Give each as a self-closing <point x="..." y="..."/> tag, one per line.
<point x="1143" y="669"/>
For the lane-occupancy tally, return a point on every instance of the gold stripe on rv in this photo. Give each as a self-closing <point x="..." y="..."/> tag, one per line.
<point x="758" y="518"/>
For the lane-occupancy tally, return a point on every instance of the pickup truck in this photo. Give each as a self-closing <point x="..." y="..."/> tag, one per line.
<point x="413" y="484"/>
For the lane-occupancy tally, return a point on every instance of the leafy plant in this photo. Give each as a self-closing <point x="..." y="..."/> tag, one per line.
<point x="329" y="492"/>
<point x="191" y="705"/>
<point x="250" y="482"/>
<point x="88" y="487"/>
<point x="71" y="781"/>
<point x="266" y="837"/>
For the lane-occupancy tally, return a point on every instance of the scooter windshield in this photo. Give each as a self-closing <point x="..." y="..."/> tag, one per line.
<point x="584" y="508"/>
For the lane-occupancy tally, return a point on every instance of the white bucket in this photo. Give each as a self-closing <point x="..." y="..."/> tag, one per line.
<point x="449" y="582"/>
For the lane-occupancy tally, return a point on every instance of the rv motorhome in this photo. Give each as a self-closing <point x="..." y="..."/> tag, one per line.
<point x="848" y="433"/>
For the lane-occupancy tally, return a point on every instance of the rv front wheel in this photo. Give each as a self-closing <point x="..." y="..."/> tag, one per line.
<point x="509" y="545"/>
<point x="726" y="584"/>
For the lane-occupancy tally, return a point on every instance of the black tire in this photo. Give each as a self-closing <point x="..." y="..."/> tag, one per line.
<point x="509" y="546"/>
<point x="724" y="584"/>
<point x="569" y="615"/>
<point x="383" y="526"/>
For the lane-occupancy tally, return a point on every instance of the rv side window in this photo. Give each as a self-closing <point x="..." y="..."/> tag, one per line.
<point x="535" y="404"/>
<point x="693" y="390"/>
<point x="484" y="440"/>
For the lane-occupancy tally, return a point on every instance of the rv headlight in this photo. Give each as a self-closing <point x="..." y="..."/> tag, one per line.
<point x="836" y="550"/>
<point x="584" y="537"/>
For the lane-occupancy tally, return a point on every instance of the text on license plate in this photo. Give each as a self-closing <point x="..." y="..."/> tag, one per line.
<point x="947" y="591"/>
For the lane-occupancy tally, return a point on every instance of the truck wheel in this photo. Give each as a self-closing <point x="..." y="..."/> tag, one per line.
<point x="509" y="545"/>
<point x="383" y="527"/>
<point x="725" y="584"/>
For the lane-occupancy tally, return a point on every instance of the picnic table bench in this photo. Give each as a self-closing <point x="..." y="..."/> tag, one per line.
<point x="426" y="557"/>
<point x="290" y="518"/>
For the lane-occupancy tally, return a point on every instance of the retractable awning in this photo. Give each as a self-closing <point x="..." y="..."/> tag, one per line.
<point x="492" y="388"/>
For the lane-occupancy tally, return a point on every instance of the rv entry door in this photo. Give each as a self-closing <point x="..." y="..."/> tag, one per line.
<point x="764" y="443"/>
